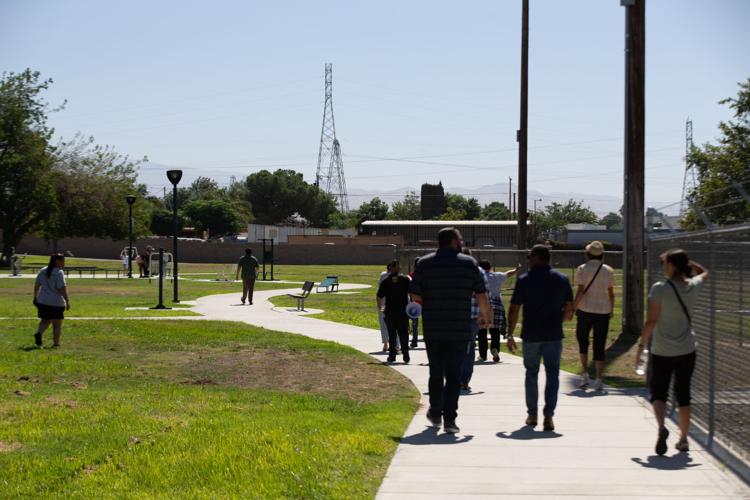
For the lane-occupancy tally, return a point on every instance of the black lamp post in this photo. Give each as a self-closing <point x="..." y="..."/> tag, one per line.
<point x="174" y="177"/>
<point x="130" y="199"/>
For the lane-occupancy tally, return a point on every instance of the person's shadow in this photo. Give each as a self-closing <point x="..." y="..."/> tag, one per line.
<point x="678" y="461"/>
<point x="527" y="432"/>
<point x="430" y="435"/>
<point x="580" y="393"/>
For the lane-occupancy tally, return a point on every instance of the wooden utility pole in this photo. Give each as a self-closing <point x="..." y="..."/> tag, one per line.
<point x="635" y="66"/>
<point x="522" y="134"/>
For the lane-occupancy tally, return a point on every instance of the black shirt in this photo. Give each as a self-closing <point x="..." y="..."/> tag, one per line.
<point x="543" y="293"/>
<point x="395" y="289"/>
<point x="446" y="280"/>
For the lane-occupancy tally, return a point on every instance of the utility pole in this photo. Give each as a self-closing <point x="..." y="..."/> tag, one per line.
<point x="635" y="97"/>
<point x="688" y="181"/>
<point x="522" y="134"/>
<point x="510" y="196"/>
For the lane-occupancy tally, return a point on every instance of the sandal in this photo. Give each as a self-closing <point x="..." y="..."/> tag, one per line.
<point x="682" y="445"/>
<point x="661" y="443"/>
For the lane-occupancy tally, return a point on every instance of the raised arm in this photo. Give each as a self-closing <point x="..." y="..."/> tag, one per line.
<point x="701" y="272"/>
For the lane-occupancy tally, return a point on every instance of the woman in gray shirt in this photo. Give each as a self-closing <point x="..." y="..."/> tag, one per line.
<point x="670" y="309"/>
<point x="51" y="299"/>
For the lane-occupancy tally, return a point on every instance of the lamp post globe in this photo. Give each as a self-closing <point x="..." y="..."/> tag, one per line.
<point x="130" y="199"/>
<point x="174" y="177"/>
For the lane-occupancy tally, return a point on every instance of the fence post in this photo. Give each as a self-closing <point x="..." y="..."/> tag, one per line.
<point x="741" y="305"/>
<point x="712" y="350"/>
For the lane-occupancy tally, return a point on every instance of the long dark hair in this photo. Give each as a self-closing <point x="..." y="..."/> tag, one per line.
<point x="679" y="259"/>
<point x="53" y="259"/>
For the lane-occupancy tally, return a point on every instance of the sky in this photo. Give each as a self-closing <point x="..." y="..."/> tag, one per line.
<point x="423" y="91"/>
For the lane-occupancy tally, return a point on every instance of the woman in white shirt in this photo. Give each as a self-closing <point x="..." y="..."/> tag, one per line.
<point x="51" y="299"/>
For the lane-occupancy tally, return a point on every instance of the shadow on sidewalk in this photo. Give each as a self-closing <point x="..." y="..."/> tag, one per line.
<point x="580" y="393"/>
<point x="678" y="461"/>
<point x="430" y="436"/>
<point x="526" y="433"/>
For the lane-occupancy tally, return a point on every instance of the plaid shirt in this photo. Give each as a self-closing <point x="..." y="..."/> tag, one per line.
<point x="474" y="303"/>
<point x="596" y="299"/>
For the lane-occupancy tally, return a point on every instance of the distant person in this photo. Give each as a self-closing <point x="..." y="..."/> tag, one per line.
<point x="381" y="314"/>
<point x="248" y="268"/>
<point x="145" y="263"/>
<point x="498" y="327"/>
<point x="547" y="301"/>
<point x="51" y="299"/>
<point x="467" y="368"/>
<point x="671" y="305"/>
<point x="594" y="305"/>
<point x="444" y="281"/>
<point x="414" y="321"/>
<point x="393" y="296"/>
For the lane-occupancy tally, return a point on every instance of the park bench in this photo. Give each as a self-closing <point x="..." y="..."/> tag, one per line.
<point x="330" y="284"/>
<point x="304" y="293"/>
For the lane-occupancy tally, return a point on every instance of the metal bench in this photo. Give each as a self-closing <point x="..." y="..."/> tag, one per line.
<point x="330" y="284"/>
<point x="305" y="292"/>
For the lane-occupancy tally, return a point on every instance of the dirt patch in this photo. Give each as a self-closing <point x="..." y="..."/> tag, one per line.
<point x="8" y="447"/>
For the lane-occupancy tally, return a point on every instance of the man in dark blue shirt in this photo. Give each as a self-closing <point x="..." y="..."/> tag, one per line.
<point x="444" y="282"/>
<point x="547" y="301"/>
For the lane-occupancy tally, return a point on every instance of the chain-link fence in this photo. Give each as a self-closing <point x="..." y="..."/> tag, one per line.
<point x="721" y="382"/>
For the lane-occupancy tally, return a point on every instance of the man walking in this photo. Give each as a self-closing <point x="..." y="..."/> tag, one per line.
<point x="414" y="321"/>
<point x="444" y="281"/>
<point x="248" y="267"/>
<point x="594" y="304"/>
<point x="547" y="301"/>
<point x="394" y="289"/>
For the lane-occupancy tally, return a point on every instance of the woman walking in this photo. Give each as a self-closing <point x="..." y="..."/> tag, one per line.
<point x="669" y="327"/>
<point x="51" y="299"/>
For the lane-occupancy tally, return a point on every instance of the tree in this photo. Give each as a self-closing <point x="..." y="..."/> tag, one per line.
<point x="432" y="201"/>
<point x="215" y="216"/>
<point x="467" y="209"/>
<point x="91" y="183"/>
<point x="721" y="166"/>
<point x="162" y="222"/>
<point x="558" y="215"/>
<point x="275" y="197"/>
<point x="375" y="209"/>
<point x="495" y="211"/>
<point x="407" y="209"/>
<point x="612" y="221"/>
<point x="26" y="184"/>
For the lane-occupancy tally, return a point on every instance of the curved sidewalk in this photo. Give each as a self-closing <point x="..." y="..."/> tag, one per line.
<point x="602" y="447"/>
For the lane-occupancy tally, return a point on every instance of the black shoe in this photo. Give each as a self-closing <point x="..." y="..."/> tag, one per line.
<point x="451" y="428"/>
<point x="406" y="359"/>
<point x="435" y="420"/>
<point x="391" y="359"/>
<point x="413" y="345"/>
<point x="38" y="339"/>
<point x="661" y="443"/>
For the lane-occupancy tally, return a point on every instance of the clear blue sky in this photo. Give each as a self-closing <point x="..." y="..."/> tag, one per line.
<point x="227" y="88"/>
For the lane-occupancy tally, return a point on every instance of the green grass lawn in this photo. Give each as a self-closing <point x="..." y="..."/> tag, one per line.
<point x="193" y="409"/>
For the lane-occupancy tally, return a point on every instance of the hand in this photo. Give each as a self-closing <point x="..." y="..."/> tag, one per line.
<point x="67" y="306"/>
<point x="611" y="315"/>
<point x="638" y="353"/>
<point x="511" y="343"/>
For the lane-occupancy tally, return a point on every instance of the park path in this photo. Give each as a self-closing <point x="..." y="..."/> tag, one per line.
<point x="602" y="447"/>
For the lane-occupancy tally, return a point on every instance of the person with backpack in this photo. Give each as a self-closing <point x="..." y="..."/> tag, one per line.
<point x="669" y="329"/>
<point x="594" y="305"/>
<point x="51" y="299"/>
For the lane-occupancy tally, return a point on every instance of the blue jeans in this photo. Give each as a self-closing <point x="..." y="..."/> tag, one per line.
<point x="533" y="352"/>
<point x="414" y="330"/>
<point x="467" y="367"/>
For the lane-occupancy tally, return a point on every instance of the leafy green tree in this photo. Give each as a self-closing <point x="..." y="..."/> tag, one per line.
<point x="495" y="211"/>
<point x="558" y="215"/>
<point x="407" y="209"/>
<point x="215" y="216"/>
<point x="27" y="196"/>
<point x="467" y="208"/>
<point x="612" y="221"/>
<point x="452" y="214"/>
<point x="162" y="222"/>
<point x="433" y="203"/>
<point x="375" y="209"/>
<point x="720" y="167"/>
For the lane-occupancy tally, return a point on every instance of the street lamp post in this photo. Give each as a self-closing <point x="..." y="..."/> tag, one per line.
<point x="535" y="200"/>
<point x="174" y="177"/>
<point x="130" y="199"/>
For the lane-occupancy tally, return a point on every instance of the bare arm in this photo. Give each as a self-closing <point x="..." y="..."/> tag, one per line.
<point x="64" y="293"/>
<point x="237" y="274"/>
<point x="512" y="272"/>
<point x="37" y="286"/>
<point x="654" y="310"/>
<point x="512" y="322"/>
<point x="568" y="311"/>
<point x="579" y="296"/>
<point x="611" y="294"/>
<point x="701" y="272"/>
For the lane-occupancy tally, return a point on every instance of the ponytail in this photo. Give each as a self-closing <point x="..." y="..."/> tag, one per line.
<point x="53" y="259"/>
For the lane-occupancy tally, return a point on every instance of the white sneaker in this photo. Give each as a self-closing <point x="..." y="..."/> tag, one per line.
<point x="584" y="381"/>
<point x="598" y="385"/>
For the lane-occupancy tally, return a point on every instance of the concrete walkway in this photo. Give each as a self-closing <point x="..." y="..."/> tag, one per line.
<point x="602" y="447"/>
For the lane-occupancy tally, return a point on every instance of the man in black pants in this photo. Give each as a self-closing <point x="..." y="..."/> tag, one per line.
<point x="444" y="282"/>
<point x="395" y="290"/>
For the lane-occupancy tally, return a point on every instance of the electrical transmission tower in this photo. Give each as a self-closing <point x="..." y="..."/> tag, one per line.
<point x="330" y="173"/>
<point x="689" y="181"/>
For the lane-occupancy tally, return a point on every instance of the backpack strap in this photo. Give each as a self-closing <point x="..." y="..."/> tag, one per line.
<point x="682" y="304"/>
<point x="592" y="279"/>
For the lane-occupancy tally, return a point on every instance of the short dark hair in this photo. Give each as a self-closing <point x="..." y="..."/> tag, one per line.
<point x="394" y="263"/>
<point x="446" y="236"/>
<point x="540" y="251"/>
<point x="248" y="251"/>
<point x="485" y="264"/>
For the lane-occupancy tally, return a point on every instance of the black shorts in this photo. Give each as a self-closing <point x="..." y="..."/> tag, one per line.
<point x="600" y="324"/>
<point x="44" y="311"/>
<point x="662" y="368"/>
